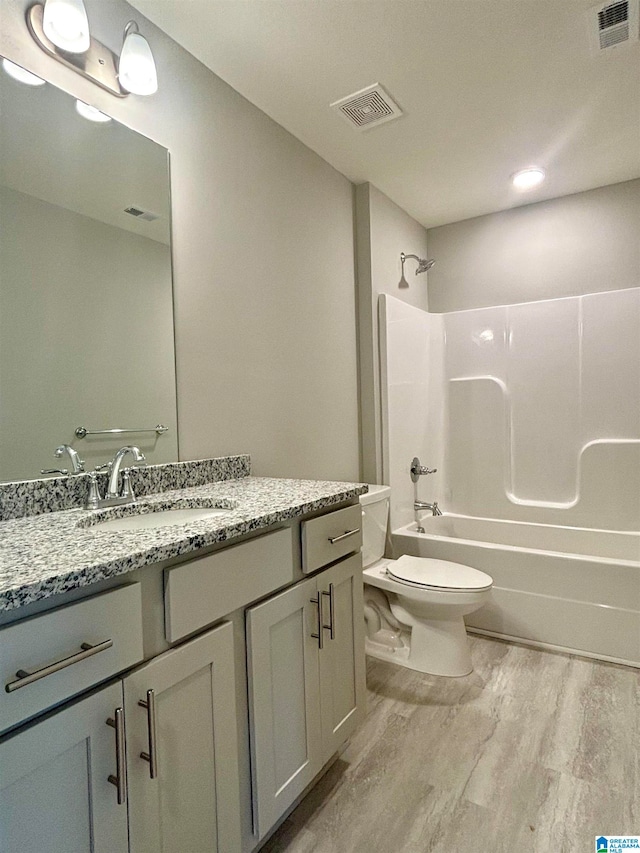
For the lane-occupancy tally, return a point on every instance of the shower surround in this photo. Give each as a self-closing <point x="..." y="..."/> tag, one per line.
<point x="531" y="413"/>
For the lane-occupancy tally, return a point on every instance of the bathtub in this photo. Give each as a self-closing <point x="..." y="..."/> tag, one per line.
<point x="565" y="588"/>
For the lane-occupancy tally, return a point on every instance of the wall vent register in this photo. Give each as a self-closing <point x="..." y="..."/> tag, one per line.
<point x="614" y="24"/>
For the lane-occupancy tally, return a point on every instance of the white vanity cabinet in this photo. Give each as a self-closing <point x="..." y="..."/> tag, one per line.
<point x="55" y="794"/>
<point x="182" y="751"/>
<point x="65" y="786"/>
<point x="184" y="740"/>
<point x="306" y="683"/>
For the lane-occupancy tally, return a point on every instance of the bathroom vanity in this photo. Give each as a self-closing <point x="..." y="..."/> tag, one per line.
<point x="177" y="688"/>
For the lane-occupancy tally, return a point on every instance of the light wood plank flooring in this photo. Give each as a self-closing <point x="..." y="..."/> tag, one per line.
<point x="533" y="752"/>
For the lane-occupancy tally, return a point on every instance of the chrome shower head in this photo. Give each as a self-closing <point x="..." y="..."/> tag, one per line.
<point x="424" y="264"/>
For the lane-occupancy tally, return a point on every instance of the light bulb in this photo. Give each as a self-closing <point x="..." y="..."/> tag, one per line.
<point x="21" y="74"/>
<point x="526" y="179"/>
<point x="93" y="114"/>
<point x="137" y="70"/>
<point x="65" y="23"/>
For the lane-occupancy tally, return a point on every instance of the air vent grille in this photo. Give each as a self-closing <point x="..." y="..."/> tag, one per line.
<point x="145" y="215"/>
<point x="617" y="13"/>
<point x="614" y="24"/>
<point x="368" y="107"/>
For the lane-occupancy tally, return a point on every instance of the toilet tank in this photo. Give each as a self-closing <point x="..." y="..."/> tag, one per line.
<point x="375" y="517"/>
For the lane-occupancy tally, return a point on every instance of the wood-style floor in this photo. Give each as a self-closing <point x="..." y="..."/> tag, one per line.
<point x="533" y="752"/>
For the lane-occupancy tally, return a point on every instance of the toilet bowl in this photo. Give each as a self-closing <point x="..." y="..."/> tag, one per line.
<point x="422" y="625"/>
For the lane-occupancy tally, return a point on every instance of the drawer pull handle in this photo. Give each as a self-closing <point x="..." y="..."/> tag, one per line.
<point x="334" y="539"/>
<point x="24" y="676"/>
<point x="120" y="779"/>
<point x="331" y="626"/>
<point x="319" y="636"/>
<point x="152" y="755"/>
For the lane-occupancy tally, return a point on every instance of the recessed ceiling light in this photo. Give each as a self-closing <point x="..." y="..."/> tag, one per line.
<point x="526" y="179"/>
<point x="87" y="111"/>
<point x="21" y="74"/>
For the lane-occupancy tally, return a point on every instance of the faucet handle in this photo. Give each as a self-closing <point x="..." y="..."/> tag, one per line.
<point x="93" y="496"/>
<point x="127" y="488"/>
<point x="54" y="471"/>
<point x="417" y="470"/>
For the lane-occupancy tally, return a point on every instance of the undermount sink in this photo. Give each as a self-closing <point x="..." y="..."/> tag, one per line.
<point x="163" y="518"/>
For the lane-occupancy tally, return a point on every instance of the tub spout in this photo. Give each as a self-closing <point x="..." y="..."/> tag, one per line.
<point x="435" y="509"/>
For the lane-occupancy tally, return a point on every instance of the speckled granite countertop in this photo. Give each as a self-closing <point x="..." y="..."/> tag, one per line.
<point x="47" y="554"/>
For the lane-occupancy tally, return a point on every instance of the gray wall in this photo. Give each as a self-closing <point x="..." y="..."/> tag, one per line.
<point x="384" y="230"/>
<point x="582" y="243"/>
<point x="263" y="261"/>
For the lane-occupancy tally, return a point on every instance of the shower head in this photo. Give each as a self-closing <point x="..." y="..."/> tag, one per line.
<point x="424" y="264"/>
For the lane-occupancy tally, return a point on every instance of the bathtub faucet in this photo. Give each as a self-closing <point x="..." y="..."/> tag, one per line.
<point x="417" y="470"/>
<point x="435" y="509"/>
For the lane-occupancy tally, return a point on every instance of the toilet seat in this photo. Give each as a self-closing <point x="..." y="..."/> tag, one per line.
<point x="437" y="574"/>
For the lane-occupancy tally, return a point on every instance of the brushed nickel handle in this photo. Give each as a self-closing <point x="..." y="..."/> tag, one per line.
<point x="331" y="626"/>
<point x="342" y="536"/>
<point x="152" y="755"/>
<point x="319" y="636"/>
<point x="120" y="779"/>
<point x="25" y="676"/>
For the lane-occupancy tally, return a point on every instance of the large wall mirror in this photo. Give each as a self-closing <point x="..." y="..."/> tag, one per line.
<point x="86" y="309"/>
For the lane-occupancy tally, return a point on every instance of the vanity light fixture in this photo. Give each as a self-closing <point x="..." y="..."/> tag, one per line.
<point x="527" y="179"/>
<point x="137" y="68"/>
<point x="21" y="74"/>
<point x="66" y="25"/>
<point x="87" y="111"/>
<point x="59" y="29"/>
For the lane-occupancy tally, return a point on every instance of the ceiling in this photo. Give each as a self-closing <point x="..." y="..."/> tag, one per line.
<point x="487" y="87"/>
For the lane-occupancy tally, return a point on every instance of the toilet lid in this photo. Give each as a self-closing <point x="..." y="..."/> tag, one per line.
<point x="423" y="571"/>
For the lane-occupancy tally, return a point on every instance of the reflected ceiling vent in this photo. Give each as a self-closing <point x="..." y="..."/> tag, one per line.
<point x="367" y="108"/>
<point x="139" y="213"/>
<point x="613" y="24"/>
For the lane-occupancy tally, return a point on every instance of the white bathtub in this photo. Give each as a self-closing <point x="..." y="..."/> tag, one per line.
<point x="566" y="588"/>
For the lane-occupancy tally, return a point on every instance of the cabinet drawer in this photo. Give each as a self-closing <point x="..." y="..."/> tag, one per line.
<point x="331" y="536"/>
<point x="67" y="650"/>
<point x="204" y="590"/>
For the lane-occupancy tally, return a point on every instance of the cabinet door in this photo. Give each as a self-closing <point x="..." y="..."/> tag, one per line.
<point x="283" y="700"/>
<point x="54" y="790"/>
<point x="341" y="660"/>
<point x="181" y="714"/>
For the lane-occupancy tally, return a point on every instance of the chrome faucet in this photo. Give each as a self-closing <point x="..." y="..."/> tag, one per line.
<point x="77" y="464"/>
<point x="417" y="470"/>
<point x="435" y="509"/>
<point x="113" y="497"/>
<point x="114" y="474"/>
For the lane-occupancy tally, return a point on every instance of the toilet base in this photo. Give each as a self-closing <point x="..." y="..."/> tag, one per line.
<point x="438" y="647"/>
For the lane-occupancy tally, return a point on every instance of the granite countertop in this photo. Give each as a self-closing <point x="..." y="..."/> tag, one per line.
<point x="47" y="554"/>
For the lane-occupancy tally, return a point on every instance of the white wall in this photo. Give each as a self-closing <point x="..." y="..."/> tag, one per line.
<point x="583" y="243"/>
<point x="263" y="261"/>
<point x="60" y="274"/>
<point x="383" y="231"/>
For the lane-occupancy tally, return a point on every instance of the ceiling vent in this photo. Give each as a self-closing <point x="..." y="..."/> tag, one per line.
<point x="613" y="24"/>
<point x="145" y="215"/>
<point x="368" y="108"/>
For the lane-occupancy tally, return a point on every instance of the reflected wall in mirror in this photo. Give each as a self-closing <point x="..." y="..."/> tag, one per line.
<point x="86" y="308"/>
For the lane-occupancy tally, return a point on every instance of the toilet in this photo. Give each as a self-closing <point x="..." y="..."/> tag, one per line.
<point x="414" y="606"/>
